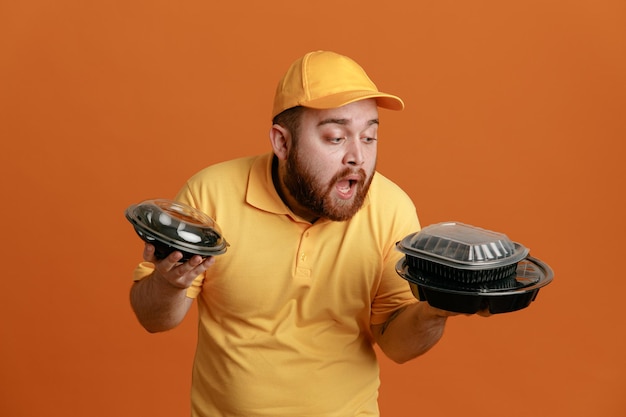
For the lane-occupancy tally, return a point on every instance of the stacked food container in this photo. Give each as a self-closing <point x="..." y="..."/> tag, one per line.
<point x="465" y="269"/>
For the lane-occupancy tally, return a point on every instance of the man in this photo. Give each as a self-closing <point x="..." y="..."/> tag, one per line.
<point x="289" y="315"/>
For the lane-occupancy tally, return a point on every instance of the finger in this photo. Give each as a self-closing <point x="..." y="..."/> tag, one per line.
<point x="174" y="257"/>
<point x="208" y="261"/>
<point x="441" y="313"/>
<point x="205" y="264"/>
<point x="167" y="264"/>
<point x="148" y="253"/>
<point x="183" y="275"/>
<point x="195" y="260"/>
<point x="194" y="267"/>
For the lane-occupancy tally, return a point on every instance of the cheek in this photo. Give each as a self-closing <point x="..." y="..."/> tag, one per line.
<point x="370" y="160"/>
<point x="322" y="171"/>
<point x="321" y="166"/>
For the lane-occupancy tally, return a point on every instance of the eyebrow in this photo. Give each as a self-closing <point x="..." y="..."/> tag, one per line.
<point x="343" y="122"/>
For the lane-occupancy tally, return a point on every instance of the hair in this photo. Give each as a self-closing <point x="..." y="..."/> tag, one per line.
<point x="290" y="119"/>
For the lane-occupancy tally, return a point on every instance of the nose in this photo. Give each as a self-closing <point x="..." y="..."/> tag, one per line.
<point x="354" y="153"/>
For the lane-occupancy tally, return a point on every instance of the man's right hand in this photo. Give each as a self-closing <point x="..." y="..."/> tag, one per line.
<point x="171" y="271"/>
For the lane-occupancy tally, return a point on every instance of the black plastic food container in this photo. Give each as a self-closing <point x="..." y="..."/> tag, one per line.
<point x="173" y="226"/>
<point x="466" y="269"/>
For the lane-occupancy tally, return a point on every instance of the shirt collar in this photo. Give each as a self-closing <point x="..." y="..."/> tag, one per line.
<point x="261" y="192"/>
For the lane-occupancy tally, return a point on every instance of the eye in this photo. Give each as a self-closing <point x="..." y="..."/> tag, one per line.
<point x="369" y="140"/>
<point x="335" y="140"/>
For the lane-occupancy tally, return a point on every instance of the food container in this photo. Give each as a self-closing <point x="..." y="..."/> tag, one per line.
<point x="463" y="268"/>
<point x="173" y="226"/>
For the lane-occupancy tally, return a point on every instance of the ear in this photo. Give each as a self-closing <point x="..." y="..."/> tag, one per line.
<point x="281" y="141"/>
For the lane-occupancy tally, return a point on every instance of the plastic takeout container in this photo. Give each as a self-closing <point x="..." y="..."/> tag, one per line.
<point x="171" y="225"/>
<point x="462" y="252"/>
<point x="463" y="268"/>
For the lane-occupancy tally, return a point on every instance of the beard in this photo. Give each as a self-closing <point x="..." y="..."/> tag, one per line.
<point x="318" y="198"/>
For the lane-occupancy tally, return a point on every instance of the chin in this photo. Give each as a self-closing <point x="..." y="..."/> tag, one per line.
<point x="342" y="212"/>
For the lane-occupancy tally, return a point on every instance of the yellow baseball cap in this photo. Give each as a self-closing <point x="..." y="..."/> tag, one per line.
<point x="327" y="80"/>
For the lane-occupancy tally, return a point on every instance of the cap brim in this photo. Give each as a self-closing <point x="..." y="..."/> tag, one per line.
<point x="383" y="100"/>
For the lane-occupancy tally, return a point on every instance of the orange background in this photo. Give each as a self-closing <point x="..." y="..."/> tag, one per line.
<point x="514" y="122"/>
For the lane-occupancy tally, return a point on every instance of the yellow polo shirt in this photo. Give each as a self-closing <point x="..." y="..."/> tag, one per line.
<point x="285" y="314"/>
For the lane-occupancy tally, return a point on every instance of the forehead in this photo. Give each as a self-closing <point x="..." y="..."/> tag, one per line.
<point x="363" y="112"/>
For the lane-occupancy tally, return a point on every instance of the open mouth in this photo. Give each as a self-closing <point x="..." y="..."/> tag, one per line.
<point x="346" y="188"/>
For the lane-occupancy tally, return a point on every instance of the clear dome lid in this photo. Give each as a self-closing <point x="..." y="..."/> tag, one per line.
<point x="462" y="246"/>
<point x="176" y="226"/>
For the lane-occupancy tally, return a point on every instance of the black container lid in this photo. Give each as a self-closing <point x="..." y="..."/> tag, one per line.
<point x="462" y="246"/>
<point x="178" y="226"/>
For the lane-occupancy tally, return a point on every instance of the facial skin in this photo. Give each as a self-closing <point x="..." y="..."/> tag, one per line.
<point x="326" y="170"/>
